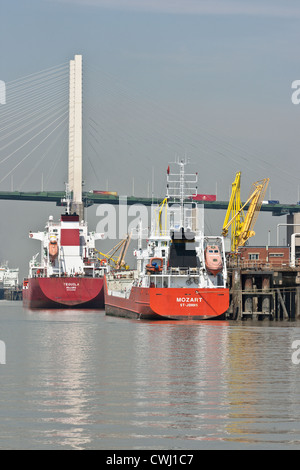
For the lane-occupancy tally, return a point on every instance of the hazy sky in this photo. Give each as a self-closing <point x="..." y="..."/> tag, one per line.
<point x="162" y="78"/>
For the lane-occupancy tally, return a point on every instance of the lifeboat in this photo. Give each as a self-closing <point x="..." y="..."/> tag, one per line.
<point x="53" y="248"/>
<point x="213" y="259"/>
<point x="155" y="265"/>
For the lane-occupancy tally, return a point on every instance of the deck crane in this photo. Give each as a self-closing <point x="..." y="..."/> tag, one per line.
<point x="241" y="225"/>
<point x="162" y="207"/>
<point x="120" y="261"/>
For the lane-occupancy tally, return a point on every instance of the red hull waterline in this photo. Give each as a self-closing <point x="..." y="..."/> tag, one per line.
<point x="64" y="292"/>
<point x="168" y="303"/>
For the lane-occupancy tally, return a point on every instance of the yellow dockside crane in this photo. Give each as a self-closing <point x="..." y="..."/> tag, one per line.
<point x="241" y="224"/>
<point x="119" y="263"/>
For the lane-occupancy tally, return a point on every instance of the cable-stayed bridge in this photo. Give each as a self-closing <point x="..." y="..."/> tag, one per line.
<point x="89" y="198"/>
<point x="41" y="140"/>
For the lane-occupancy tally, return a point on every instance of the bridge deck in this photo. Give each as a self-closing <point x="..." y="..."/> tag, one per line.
<point x="91" y="198"/>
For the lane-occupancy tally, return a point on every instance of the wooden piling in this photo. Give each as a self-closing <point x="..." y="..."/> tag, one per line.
<point x="297" y="304"/>
<point x="264" y="293"/>
<point x="236" y="294"/>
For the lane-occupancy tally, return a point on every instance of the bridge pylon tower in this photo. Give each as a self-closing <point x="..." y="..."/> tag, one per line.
<point x="75" y="135"/>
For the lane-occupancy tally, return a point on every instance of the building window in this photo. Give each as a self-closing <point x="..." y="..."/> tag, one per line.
<point x="253" y="256"/>
<point x="276" y="255"/>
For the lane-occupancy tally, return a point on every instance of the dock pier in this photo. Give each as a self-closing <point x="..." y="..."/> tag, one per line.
<point x="259" y="292"/>
<point x="14" y="293"/>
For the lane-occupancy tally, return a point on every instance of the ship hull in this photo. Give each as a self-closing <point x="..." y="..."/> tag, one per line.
<point x="168" y="303"/>
<point x="63" y="292"/>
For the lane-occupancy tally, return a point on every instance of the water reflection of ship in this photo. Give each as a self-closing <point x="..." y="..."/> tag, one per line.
<point x="65" y="386"/>
<point x="182" y="380"/>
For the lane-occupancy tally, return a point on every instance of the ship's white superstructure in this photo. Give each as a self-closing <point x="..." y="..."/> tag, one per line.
<point x="9" y="277"/>
<point x="175" y="255"/>
<point x="67" y="249"/>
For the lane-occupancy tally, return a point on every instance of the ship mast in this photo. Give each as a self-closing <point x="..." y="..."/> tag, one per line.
<point x="181" y="187"/>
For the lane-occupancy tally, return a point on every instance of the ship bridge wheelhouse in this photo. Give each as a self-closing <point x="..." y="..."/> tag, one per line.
<point x="183" y="250"/>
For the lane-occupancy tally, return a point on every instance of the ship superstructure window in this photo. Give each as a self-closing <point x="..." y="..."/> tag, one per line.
<point x="183" y="251"/>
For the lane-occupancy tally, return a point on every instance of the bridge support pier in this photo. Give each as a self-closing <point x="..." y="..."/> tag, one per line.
<point x="75" y="135"/>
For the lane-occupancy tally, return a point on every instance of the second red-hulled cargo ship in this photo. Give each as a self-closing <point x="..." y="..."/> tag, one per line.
<point x="181" y="275"/>
<point x="68" y="273"/>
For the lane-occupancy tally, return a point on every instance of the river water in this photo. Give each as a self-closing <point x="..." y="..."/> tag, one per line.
<point x="83" y="380"/>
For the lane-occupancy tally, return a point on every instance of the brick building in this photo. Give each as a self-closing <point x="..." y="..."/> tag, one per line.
<point x="255" y="256"/>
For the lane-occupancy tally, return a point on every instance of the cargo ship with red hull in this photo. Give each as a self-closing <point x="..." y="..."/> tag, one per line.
<point x="181" y="274"/>
<point x="63" y="292"/>
<point x="68" y="273"/>
<point x="156" y="304"/>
